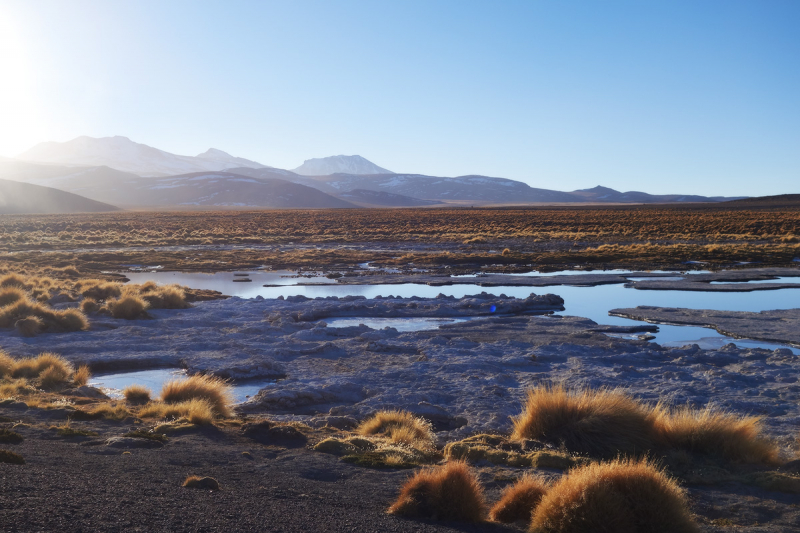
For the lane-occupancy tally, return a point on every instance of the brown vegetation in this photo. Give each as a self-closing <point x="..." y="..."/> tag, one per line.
<point x="400" y="427"/>
<point x="448" y="492"/>
<point x="601" y="423"/>
<point x="622" y="496"/>
<point x="216" y="392"/>
<point x="136" y="394"/>
<point x="198" y="482"/>
<point x="607" y="423"/>
<point x="518" y="501"/>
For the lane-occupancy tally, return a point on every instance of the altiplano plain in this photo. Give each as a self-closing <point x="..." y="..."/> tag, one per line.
<point x="307" y="448"/>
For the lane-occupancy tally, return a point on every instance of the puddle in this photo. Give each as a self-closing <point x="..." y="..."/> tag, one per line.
<point x="658" y="278"/>
<point x="231" y="283"/>
<point x="588" y="302"/>
<point x="113" y="384"/>
<point x="400" y="323"/>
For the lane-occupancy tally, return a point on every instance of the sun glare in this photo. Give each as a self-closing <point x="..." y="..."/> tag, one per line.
<point x="17" y="110"/>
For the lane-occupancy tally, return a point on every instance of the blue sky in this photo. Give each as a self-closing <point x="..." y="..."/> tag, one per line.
<point x="662" y="96"/>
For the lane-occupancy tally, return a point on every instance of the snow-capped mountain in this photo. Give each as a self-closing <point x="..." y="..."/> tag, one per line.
<point x="339" y="164"/>
<point x="121" y="153"/>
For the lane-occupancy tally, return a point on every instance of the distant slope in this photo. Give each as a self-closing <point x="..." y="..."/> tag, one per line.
<point x="604" y="194"/>
<point x="339" y="164"/>
<point x="16" y="197"/>
<point x="780" y="200"/>
<point x="209" y="189"/>
<point x="121" y="153"/>
<point x="383" y="199"/>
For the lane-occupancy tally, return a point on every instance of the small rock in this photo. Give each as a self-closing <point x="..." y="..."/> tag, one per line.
<point x="133" y="442"/>
<point x="197" y="482"/>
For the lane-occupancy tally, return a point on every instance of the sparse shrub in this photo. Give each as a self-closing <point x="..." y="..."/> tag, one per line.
<point x="7" y="364"/>
<point x="600" y="423"/>
<point x="114" y="411"/>
<point x="10" y="457"/>
<point x="166" y="297"/>
<point x="99" y="290"/>
<point x="90" y="306"/>
<point x="197" y="482"/>
<point x="622" y="495"/>
<point x="128" y="307"/>
<point x="711" y="431"/>
<point x="400" y="427"/>
<point x="448" y="492"/>
<point x="9" y="295"/>
<point x="54" y="377"/>
<point x="29" y="326"/>
<point x="196" y="411"/>
<point x="518" y="501"/>
<point x="81" y="376"/>
<point x="136" y="394"/>
<point x="35" y="367"/>
<point x="215" y="391"/>
<point x="10" y="437"/>
<point x="12" y="280"/>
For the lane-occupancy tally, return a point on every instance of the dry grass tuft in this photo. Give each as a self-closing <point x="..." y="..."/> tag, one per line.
<point x="711" y="431"/>
<point x="29" y="326"/>
<point x="90" y="306"/>
<point x="164" y="297"/>
<point x="197" y="482"/>
<point x="7" y="364"/>
<point x="98" y="289"/>
<point x="81" y="376"/>
<point x="136" y="394"/>
<point x="12" y="280"/>
<point x="600" y="423"/>
<point x="448" y="492"/>
<point x="10" y="457"/>
<point x="62" y="320"/>
<point x="622" y="495"/>
<point x="10" y="295"/>
<point x="196" y="411"/>
<point x="518" y="501"/>
<point x="52" y="370"/>
<point x="128" y="307"/>
<point x="213" y="390"/>
<point x="400" y="427"/>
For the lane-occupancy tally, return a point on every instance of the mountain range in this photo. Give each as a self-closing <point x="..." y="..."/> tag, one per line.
<point x="121" y="172"/>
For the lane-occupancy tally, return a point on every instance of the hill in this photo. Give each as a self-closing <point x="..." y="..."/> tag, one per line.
<point x="16" y="198"/>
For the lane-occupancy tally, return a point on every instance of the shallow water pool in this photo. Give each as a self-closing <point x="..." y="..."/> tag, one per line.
<point x="154" y="379"/>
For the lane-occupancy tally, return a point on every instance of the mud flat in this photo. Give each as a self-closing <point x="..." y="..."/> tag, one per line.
<point x="466" y="377"/>
<point x="781" y="325"/>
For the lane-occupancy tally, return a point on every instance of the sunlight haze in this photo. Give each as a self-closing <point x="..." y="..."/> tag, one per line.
<point x="664" y="97"/>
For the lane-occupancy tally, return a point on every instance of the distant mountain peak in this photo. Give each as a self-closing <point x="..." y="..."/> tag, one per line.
<point x="339" y="164"/>
<point x="123" y="154"/>
<point x="213" y="153"/>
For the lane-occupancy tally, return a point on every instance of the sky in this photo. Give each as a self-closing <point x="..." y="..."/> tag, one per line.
<point x="664" y="96"/>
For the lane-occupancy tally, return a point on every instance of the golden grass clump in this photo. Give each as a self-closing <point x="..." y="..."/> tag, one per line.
<point x="711" y="431"/>
<point x="624" y="495"/>
<point x="163" y="297"/>
<point x="29" y="326"/>
<point x="63" y="320"/>
<point x="448" y="492"/>
<point x="9" y="295"/>
<point x="197" y="411"/>
<point x="7" y="364"/>
<point x="518" y="501"/>
<point x="54" y="377"/>
<point x="90" y="306"/>
<point x="400" y="427"/>
<point x="12" y="280"/>
<point x="81" y="376"/>
<point x="213" y="390"/>
<point x="34" y="367"/>
<point x="98" y="289"/>
<point x="600" y="423"/>
<point x="128" y="307"/>
<point x="136" y="394"/>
